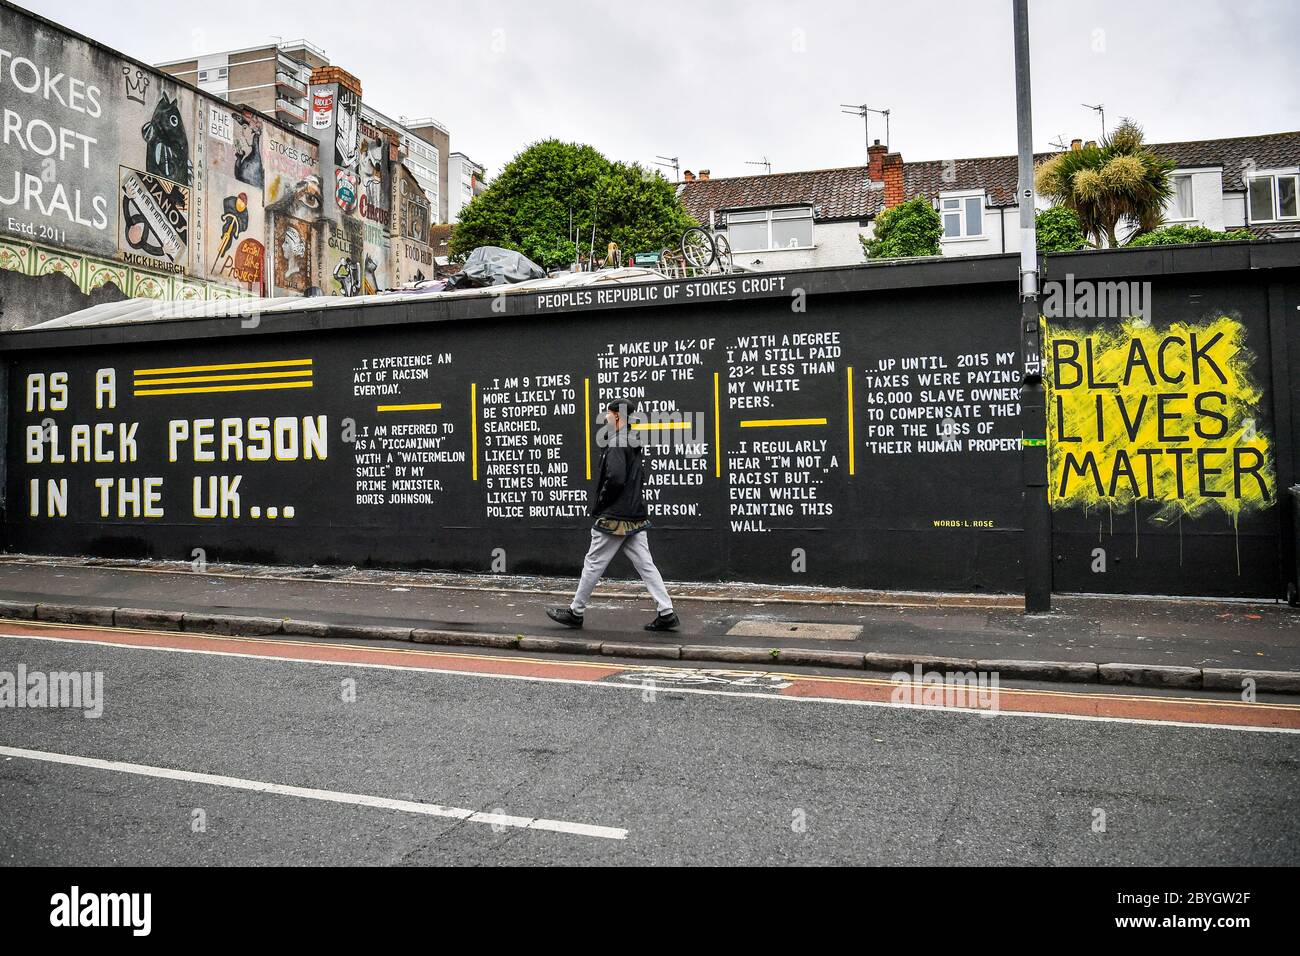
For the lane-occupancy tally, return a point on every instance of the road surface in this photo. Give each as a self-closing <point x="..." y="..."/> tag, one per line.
<point x="217" y="751"/>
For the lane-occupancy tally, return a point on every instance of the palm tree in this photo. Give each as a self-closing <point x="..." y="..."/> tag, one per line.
<point x="1119" y="180"/>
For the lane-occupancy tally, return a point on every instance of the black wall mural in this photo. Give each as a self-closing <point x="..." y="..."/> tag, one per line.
<point x="803" y="428"/>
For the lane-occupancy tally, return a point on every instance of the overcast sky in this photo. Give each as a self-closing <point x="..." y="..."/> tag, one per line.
<point x="718" y="82"/>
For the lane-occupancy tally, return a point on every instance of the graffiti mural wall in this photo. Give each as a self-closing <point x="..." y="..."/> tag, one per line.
<point x="114" y="172"/>
<point x="236" y="220"/>
<point x="356" y="255"/>
<point x="374" y="206"/>
<point x="411" y="253"/>
<point x="293" y="203"/>
<point x="873" y="440"/>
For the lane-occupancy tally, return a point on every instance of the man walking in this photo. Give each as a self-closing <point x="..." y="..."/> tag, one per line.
<point x="621" y="522"/>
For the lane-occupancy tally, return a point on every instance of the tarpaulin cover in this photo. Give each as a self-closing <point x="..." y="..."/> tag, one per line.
<point x="492" y="265"/>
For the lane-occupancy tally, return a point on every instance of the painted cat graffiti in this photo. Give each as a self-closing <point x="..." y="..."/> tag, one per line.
<point x="371" y="285"/>
<point x="167" y="150"/>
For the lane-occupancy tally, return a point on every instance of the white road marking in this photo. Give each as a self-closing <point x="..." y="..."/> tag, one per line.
<point x="329" y="796"/>
<point x="451" y="672"/>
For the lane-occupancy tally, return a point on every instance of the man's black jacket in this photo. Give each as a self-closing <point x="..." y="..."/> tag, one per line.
<point x="618" y="484"/>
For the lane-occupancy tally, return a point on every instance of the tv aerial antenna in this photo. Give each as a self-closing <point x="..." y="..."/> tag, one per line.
<point x="865" y="112"/>
<point x="760" y="162"/>
<point x="1100" y="109"/>
<point x="674" y="163"/>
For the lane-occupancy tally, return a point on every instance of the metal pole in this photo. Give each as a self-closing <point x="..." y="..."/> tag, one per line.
<point x="1033" y="403"/>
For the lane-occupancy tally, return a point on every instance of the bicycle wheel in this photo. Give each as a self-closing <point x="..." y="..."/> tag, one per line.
<point x="723" y="247"/>
<point x="697" y="247"/>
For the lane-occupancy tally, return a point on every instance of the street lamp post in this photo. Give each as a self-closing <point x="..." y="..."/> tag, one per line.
<point x="1033" y="404"/>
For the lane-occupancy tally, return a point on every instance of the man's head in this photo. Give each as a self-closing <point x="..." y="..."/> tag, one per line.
<point x="618" y="411"/>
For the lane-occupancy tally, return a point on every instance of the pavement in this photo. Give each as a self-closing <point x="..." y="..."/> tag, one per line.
<point x="211" y="751"/>
<point x="1188" y="644"/>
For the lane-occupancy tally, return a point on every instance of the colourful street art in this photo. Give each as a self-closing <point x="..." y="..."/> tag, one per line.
<point x="135" y="190"/>
<point x="154" y="221"/>
<point x="248" y="262"/>
<point x="163" y="190"/>
<point x="347" y="127"/>
<point x="167" y="147"/>
<point x="292" y="254"/>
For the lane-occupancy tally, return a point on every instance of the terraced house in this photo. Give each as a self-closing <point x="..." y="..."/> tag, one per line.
<point x="797" y="220"/>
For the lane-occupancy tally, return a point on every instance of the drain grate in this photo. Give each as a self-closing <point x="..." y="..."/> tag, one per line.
<point x="807" y="630"/>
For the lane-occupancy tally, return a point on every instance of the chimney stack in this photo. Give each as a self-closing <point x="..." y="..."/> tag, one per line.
<point x="704" y="174"/>
<point x="892" y="172"/>
<point x="1076" y="145"/>
<point x="334" y="74"/>
<point x="875" y="153"/>
<point x="688" y="176"/>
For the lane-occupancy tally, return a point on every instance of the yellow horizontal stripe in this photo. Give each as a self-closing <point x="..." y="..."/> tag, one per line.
<point x="184" y="379"/>
<point x="775" y="422"/>
<point x="408" y="408"/>
<point x="659" y="426"/>
<point x="220" y="388"/>
<point x="219" y="368"/>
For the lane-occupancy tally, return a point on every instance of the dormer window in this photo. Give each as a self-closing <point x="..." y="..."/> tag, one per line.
<point x="760" y="230"/>
<point x="963" y="215"/>
<point x="1272" y="196"/>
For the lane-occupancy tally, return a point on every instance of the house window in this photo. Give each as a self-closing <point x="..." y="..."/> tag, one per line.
<point x="1273" y="197"/>
<point x="758" y="230"/>
<point x="1180" y="202"/>
<point x="963" y="216"/>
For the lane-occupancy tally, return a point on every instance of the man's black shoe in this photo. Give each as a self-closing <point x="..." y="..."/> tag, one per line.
<point x="664" y="622"/>
<point x="565" y="616"/>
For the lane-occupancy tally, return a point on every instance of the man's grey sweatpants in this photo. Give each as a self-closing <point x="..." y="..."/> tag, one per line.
<point x="603" y="548"/>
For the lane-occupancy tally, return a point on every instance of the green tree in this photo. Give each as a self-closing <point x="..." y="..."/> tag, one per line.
<point x="1122" y="179"/>
<point x="909" y="229"/>
<point x="1177" y="235"/>
<point x="528" y="206"/>
<point x="1058" y="230"/>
